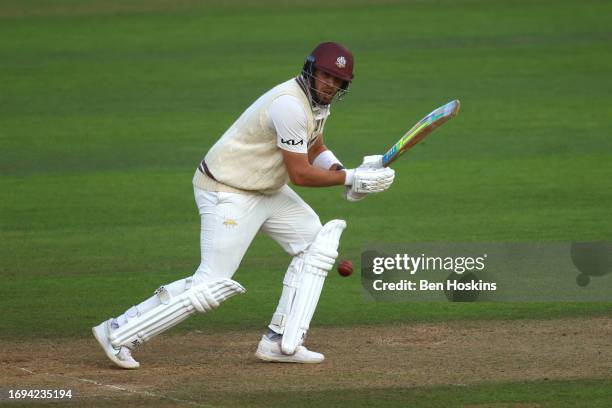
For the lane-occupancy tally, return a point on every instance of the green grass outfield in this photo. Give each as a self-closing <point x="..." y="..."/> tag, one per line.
<point x="107" y="107"/>
<point x="581" y="393"/>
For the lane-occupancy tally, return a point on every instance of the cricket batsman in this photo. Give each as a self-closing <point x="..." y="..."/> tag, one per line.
<point x="240" y="189"/>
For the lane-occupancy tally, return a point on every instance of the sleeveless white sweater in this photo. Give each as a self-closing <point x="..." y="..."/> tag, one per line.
<point x="247" y="159"/>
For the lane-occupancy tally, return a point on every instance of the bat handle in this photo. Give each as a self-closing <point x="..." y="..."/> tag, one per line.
<point x="387" y="158"/>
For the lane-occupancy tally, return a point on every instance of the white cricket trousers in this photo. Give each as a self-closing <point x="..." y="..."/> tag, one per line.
<point x="230" y="221"/>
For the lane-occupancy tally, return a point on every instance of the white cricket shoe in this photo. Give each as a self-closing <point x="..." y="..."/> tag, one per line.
<point x="270" y="350"/>
<point x="121" y="356"/>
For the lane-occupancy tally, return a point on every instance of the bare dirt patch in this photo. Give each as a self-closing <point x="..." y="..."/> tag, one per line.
<point x="406" y="355"/>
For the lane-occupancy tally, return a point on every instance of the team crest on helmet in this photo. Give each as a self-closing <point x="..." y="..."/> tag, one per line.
<point x="341" y="62"/>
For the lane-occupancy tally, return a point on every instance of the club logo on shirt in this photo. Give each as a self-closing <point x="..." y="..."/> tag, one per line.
<point x="341" y="62"/>
<point x="291" y="142"/>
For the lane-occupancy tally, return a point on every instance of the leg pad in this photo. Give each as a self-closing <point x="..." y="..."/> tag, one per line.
<point x="319" y="259"/>
<point x="173" y="309"/>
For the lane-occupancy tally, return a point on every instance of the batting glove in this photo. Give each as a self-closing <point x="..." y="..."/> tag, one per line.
<point x="368" y="180"/>
<point x="373" y="162"/>
<point x="351" y="196"/>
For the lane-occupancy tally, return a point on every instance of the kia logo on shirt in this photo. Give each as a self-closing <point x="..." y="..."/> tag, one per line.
<point x="291" y="142"/>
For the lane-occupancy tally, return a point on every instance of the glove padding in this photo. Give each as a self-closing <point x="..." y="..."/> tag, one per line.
<point x="369" y="162"/>
<point x="352" y="196"/>
<point x="372" y="162"/>
<point x="370" y="180"/>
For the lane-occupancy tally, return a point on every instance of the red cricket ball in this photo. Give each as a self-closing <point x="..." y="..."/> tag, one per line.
<point x="345" y="267"/>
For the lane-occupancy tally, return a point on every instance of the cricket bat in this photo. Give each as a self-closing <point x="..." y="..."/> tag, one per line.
<point x="419" y="131"/>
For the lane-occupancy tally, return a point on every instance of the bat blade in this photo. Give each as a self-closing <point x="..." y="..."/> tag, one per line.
<point x="422" y="128"/>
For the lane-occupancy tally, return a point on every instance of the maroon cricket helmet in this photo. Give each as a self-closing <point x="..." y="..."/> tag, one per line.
<point x="333" y="58"/>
